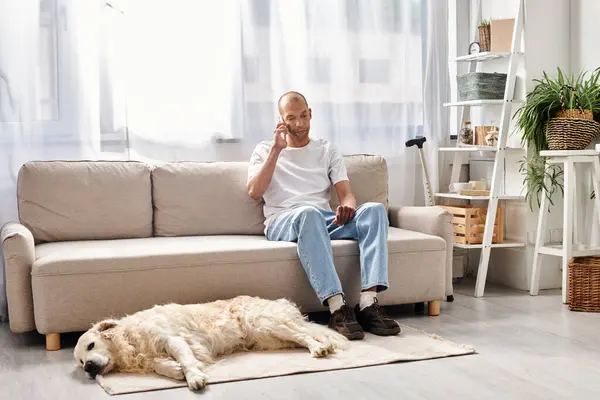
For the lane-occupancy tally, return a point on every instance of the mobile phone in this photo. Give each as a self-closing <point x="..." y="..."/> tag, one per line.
<point x="286" y="125"/>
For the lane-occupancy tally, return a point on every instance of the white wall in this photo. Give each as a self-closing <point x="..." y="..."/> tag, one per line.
<point x="585" y="34"/>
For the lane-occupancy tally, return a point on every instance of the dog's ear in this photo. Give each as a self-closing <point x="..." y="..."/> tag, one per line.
<point x="107" y="324"/>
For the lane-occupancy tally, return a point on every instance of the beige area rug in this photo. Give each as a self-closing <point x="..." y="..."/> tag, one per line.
<point x="410" y="345"/>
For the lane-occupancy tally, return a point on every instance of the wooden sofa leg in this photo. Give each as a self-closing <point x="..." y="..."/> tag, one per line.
<point x="52" y="341"/>
<point x="434" y="307"/>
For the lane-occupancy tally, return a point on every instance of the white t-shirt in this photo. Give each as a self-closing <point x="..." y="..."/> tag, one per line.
<point x="303" y="176"/>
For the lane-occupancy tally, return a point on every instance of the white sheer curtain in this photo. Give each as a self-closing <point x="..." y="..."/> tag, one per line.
<point x="199" y="80"/>
<point x="436" y="86"/>
<point x="360" y="65"/>
<point x="182" y="59"/>
<point x="216" y="69"/>
<point x="49" y="99"/>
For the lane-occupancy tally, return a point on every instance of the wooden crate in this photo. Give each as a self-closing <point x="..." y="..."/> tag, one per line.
<point x="469" y="224"/>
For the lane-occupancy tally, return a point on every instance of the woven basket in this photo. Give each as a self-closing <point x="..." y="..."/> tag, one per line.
<point x="574" y="130"/>
<point x="571" y="133"/>
<point x="583" y="293"/>
<point x="485" y="42"/>
<point x="576" y="114"/>
<point x="481" y="86"/>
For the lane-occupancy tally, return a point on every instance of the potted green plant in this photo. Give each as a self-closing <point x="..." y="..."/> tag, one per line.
<point x="549" y="99"/>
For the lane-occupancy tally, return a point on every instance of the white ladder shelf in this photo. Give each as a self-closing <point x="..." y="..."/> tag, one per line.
<point x="461" y="154"/>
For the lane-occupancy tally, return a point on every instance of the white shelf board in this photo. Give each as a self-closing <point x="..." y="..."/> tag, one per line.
<point x="468" y="148"/>
<point x="505" y="245"/>
<point x="569" y="153"/>
<point x="484" y="56"/>
<point x="475" y="103"/>
<point x="473" y="149"/>
<point x="555" y="249"/>
<point x="462" y="197"/>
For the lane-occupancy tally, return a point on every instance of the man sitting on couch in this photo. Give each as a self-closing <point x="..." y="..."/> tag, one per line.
<point x="293" y="174"/>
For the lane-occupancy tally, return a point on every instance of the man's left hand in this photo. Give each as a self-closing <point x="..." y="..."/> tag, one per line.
<point x="343" y="215"/>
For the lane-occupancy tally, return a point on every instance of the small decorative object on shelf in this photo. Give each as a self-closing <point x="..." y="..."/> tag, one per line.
<point x="466" y="133"/>
<point x="471" y="192"/>
<point x="481" y="184"/>
<point x="485" y="35"/>
<point x="480" y="134"/>
<point x="474" y="48"/>
<point x="491" y="139"/>
<point x="458" y="187"/>
<point x="583" y="293"/>
<point x="501" y="33"/>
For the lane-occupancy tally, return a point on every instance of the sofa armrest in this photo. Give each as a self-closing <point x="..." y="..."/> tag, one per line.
<point x="18" y="248"/>
<point x="430" y="220"/>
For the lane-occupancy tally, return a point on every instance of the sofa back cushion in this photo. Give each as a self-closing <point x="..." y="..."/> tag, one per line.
<point x="368" y="177"/>
<point x="85" y="200"/>
<point x="194" y="198"/>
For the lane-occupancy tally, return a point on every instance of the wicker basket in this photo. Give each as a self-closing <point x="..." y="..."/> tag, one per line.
<point x="574" y="129"/>
<point x="576" y="114"/>
<point x="481" y="86"/>
<point x="571" y="133"/>
<point x="485" y="42"/>
<point x="583" y="293"/>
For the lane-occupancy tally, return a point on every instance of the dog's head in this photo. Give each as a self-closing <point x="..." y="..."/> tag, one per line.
<point x="93" y="349"/>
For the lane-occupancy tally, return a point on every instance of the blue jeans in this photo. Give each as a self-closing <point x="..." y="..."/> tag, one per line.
<point x="313" y="230"/>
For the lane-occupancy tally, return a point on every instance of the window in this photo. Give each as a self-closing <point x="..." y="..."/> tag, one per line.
<point x="357" y="57"/>
<point x="43" y="91"/>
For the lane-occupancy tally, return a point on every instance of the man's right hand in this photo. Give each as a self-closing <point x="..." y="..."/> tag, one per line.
<point x="279" y="137"/>
<point x="259" y="183"/>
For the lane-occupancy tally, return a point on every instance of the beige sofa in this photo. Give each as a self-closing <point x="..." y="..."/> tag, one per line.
<point x="100" y="239"/>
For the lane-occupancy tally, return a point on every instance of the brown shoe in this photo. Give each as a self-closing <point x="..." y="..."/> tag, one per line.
<point x="344" y="322"/>
<point x="373" y="319"/>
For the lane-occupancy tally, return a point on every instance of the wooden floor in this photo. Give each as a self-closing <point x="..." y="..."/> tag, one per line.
<point x="528" y="348"/>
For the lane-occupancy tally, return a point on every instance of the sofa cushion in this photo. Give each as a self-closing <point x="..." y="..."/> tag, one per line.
<point x="78" y="283"/>
<point x="368" y="176"/>
<point x="81" y="200"/>
<point x="85" y="257"/>
<point x="193" y="198"/>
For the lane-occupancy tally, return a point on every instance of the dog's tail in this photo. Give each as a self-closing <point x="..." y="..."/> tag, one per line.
<point x="326" y="335"/>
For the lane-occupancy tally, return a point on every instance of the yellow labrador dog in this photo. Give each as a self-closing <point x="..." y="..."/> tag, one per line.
<point x="180" y="341"/>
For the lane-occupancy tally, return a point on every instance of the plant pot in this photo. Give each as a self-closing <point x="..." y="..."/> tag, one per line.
<point x="571" y="133"/>
<point x="575" y="114"/>
<point x="485" y="35"/>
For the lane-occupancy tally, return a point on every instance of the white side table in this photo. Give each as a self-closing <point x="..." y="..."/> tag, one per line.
<point x="568" y="158"/>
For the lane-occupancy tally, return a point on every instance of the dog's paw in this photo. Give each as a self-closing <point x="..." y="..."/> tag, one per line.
<point x="169" y="368"/>
<point x="177" y="373"/>
<point x="196" y="380"/>
<point x="322" y="350"/>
